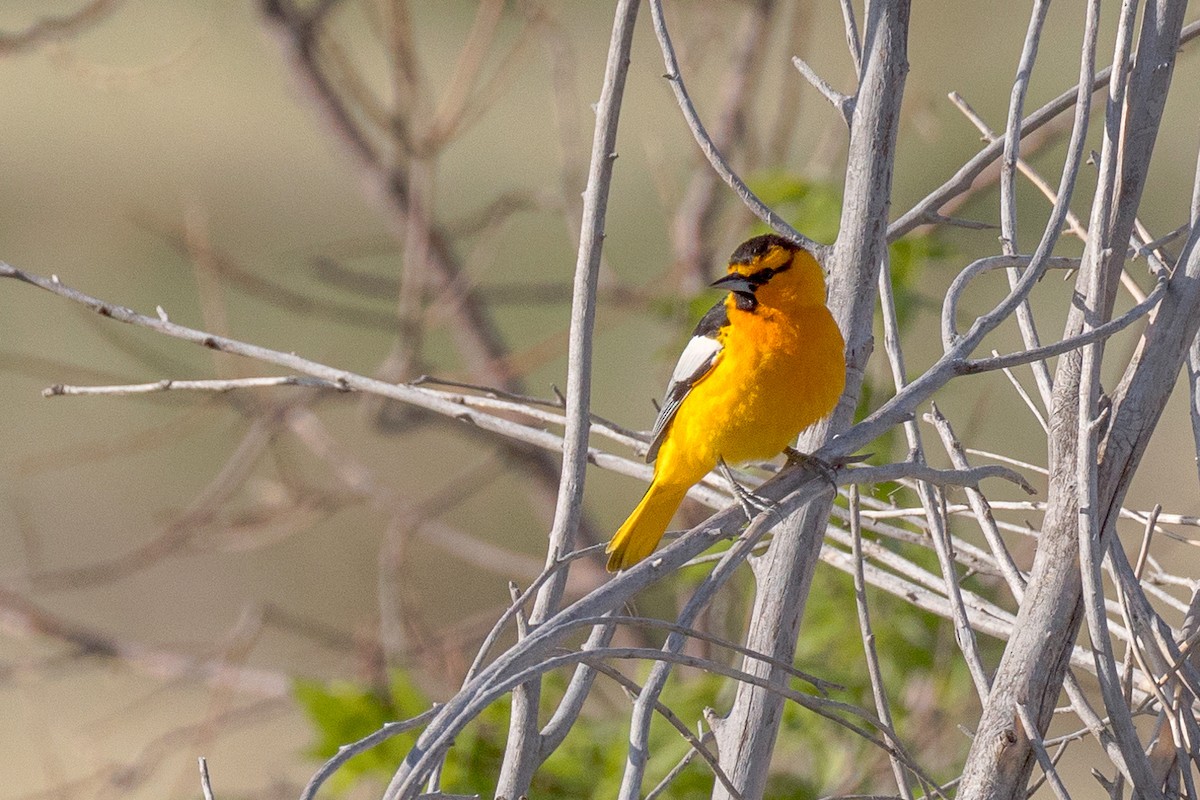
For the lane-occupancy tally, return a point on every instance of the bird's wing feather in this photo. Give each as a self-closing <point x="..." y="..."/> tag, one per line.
<point x="696" y="361"/>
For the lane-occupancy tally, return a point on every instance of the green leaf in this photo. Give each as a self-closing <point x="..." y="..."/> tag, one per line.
<point x="342" y="712"/>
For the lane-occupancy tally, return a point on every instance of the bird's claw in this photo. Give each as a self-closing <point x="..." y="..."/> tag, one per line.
<point x="752" y="505"/>
<point x="813" y="464"/>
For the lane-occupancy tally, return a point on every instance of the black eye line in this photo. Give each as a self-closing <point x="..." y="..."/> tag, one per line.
<point x="763" y="275"/>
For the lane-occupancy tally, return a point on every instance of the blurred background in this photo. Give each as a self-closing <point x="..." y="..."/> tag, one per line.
<point x="171" y="564"/>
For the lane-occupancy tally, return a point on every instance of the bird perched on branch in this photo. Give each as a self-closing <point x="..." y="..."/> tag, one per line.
<point x="765" y="362"/>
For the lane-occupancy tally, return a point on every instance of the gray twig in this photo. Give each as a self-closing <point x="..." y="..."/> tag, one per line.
<point x="169" y="385"/>
<point x="868" y="637"/>
<point x="746" y="740"/>
<point x="931" y="500"/>
<point x="719" y="164"/>
<point x="1039" y="749"/>
<point x="843" y="103"/>
<point x="525" y="751"/>
<point x="962" y="179"/>
<point x="1008" y="185"/>
<point x="349" y="751"/>
<point x="852" y="41"/>
<point x="205" y="783"/>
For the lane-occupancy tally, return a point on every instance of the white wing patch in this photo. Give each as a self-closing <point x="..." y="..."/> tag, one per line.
<point x="694" y="363"/>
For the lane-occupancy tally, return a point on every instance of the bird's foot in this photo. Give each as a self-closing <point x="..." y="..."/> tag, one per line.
<point x="813" y="464"/>
<point x="752" y="505"/>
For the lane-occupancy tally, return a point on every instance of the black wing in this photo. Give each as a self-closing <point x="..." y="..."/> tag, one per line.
<point x="696" y="360"/>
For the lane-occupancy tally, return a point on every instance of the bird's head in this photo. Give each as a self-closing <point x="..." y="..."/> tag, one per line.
<point x="774" y="272"/>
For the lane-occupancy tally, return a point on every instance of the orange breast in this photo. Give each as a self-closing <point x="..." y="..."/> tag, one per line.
<point x="777" y="375"/>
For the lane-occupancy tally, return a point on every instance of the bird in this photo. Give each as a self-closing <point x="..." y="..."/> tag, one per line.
<point x="766" y="362"/>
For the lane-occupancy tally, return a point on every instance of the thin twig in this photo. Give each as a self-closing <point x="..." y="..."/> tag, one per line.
<point x="1098" y="263"/>
<point x="1084" y="339"/>
<point x="169" y="385"/>
<point x="704" y="738"/>
<point x="1039" y="749"/>
<point x="1024" y="395"/>
<point x="205" y="783"/>
<point x="348" y="751"/>
<point x="1008" y="198"/>
<point x="697" y="745"/>
<point x="525" y="750"/>
<point x="868" y="637"/>
<point x="719" y="164"/>
<point x="1077" y="225"/>
<point x="852" y="40"/>
<point x="446" y="404"/>
<point x="980" y="507"/>
<point x="923" y="472"/>
<point x="844" y="104"/>
<point x="932" y="502"/>
<point x="51" y="29"/>
<point x="961" y="181"/>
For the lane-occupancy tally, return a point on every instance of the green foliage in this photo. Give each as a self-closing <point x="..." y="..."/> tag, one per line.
<point x="812" y="207"/>
<point x="342" y="712"/>
<point x="909" y="258"/>
<point x="588" y="764"/>
<point x="821" y="757"/>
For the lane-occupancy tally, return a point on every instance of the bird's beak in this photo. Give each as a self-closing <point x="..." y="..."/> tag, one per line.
<point x="734" y="282"/>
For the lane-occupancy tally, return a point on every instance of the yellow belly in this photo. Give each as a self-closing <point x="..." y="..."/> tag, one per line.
<point x="775" y="377"/>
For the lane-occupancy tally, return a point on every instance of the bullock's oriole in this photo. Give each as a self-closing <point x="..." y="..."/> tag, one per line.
<point x="765" y="362"/>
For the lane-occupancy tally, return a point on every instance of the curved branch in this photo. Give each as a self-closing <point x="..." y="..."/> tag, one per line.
<point x="349" y="751"/>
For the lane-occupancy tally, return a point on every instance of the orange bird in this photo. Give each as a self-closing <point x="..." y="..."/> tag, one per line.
<point x="765" y="362"/>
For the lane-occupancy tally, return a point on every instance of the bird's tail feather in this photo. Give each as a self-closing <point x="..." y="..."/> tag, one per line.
<point x="641" y="533"/>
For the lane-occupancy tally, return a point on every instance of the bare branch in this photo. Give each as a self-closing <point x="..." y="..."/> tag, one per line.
<point x="525" y="749"/>
<point x="205" y="783"/>
<point x="931" y="503"/>
<point x="1039" y="749"/>
<point x="844" y="104"/>
<point x="852" y="40"/>
<point x="1077" y="226"/>
<point x="747" y="738"/>
<point x="756" y="206"/>
<point x="1034" y="660"/>
<point x="666" y="713"/>
<point x="446" y="404"/>
<point x="961" y="180"/>
<point x="1008" y="197"/>
<point x="868" y="637"/>
<point x="349" y="751"/>
<point x="980" y="507"/>
<point x="695" y="227"/>
<point x="670" y="777"/>
<point x="1089" y="337"/>
<point x="941" y="477"/>
<point x="216" y="386"/>
<point x="49" y="29"/>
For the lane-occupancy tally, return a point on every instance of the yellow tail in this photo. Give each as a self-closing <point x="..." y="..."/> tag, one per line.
<point x="641" y="533"/>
